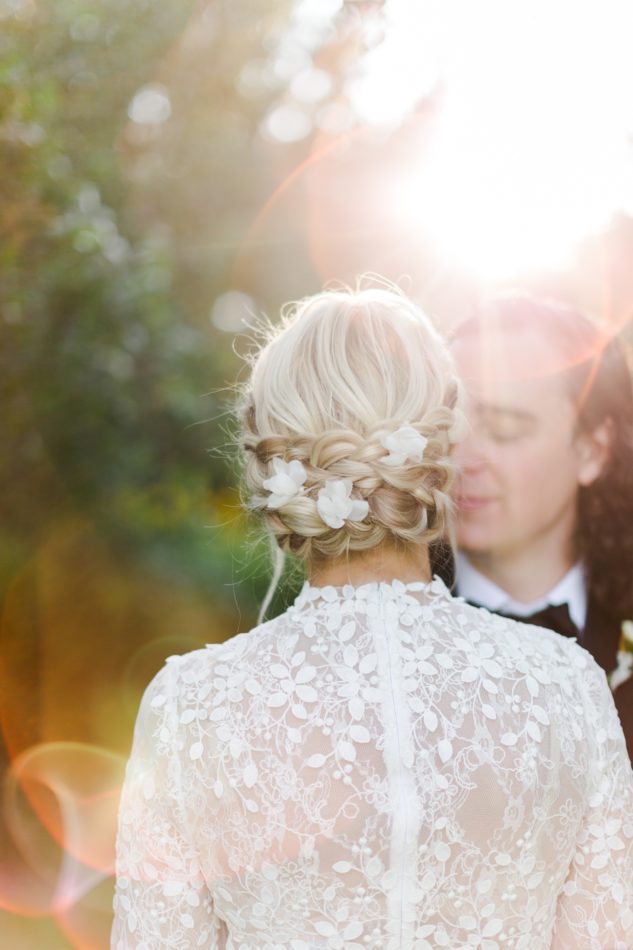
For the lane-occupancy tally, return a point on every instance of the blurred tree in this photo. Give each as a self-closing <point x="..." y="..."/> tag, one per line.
<point x="123" y="127"/>
<point x="131" y="164"/>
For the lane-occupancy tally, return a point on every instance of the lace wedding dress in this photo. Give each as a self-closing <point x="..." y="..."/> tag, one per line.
<point x="380" y="767"/>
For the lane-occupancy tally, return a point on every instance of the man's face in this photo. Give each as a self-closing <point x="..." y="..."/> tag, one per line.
<point x="521" y="464"/>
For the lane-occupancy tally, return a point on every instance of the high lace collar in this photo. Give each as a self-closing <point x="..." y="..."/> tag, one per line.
<point x="370" y="591"/>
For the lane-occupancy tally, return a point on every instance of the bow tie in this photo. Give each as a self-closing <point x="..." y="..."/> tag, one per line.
<point x="554" y="617"/>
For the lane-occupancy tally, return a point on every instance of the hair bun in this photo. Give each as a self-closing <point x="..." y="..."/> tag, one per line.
<point x="359" y="391"/>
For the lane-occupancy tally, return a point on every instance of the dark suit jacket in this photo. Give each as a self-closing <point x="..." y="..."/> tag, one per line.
<point x="601" y="638"/>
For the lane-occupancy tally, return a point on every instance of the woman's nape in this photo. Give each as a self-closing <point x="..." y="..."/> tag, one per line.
<point x="386" y="562"/>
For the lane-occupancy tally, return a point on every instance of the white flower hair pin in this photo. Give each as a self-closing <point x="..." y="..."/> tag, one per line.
<point x="335" y="505"/>
<point x="404" y="445"/>
<point x="286" y="483"/>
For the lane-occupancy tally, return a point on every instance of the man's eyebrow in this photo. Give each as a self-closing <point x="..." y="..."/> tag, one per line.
<point x="505" y="412"/>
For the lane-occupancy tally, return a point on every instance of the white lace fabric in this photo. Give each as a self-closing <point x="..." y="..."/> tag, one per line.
<point x="380" y="767"/>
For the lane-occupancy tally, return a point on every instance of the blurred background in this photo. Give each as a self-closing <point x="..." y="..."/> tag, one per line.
<point x="170" y="171"/>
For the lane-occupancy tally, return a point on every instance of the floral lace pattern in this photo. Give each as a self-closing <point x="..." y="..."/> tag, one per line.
<point x="380" y="767"/>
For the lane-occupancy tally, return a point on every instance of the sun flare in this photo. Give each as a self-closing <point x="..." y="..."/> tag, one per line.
<point x="532" y="149"/>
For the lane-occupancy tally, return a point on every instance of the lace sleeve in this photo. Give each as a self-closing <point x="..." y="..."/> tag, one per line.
<point x="595" y="910"/>
<point x="161" y="899"/>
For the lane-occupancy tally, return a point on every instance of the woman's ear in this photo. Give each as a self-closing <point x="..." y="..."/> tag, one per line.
<point x="594" y="449"/>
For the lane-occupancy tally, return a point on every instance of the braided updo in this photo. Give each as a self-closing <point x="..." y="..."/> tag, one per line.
<point x="343" y="372"/>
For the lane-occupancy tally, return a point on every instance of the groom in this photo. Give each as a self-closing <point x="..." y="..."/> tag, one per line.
<point x="545" y="514"/>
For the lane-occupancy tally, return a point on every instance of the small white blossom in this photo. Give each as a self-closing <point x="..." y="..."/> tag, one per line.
<point x="335" y="505"/>
<point x="624" y="669"/>
<point x="286" y="483"/>
<point x="404" y="445"/>
<point x="627" y="635"/>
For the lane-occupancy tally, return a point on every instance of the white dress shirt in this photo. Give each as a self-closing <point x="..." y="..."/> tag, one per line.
<point x="570" y="590"/>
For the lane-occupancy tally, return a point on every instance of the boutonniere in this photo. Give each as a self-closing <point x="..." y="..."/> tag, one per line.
<point x="624" y="669"/>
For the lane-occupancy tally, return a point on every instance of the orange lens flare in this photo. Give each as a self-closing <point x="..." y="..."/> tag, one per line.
<point x="60" y="810"/>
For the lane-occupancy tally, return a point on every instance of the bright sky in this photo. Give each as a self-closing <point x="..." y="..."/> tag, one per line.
<point x="533" y="146"/>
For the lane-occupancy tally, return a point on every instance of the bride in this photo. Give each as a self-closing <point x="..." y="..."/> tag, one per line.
<point x="382" y="766"/>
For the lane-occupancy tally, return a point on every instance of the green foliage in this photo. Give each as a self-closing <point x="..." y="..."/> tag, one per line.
<point x="109" y="362"/>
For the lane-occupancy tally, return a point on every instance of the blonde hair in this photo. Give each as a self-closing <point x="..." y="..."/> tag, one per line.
<point x="343" y="370"/>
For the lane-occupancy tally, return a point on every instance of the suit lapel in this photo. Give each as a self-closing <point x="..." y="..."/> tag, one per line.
<point x="601" y="637"/>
